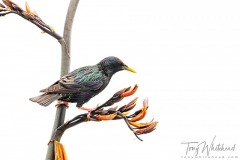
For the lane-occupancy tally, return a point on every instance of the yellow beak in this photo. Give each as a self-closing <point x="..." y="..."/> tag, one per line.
<point x="129" y="69"/>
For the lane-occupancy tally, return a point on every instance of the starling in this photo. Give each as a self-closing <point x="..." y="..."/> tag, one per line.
<point x="80" y="85"/>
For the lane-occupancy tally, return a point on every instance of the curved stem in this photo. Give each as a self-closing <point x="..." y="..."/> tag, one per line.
<point x="65" y="65"/>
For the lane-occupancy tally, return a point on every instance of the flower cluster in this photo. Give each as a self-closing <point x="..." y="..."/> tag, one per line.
<point x="101" y="113"/>
<point x="123" y="112"/>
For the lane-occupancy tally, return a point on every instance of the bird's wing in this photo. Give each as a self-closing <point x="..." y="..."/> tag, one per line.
<point x="56" y="88"/>
<point x="78" y="80"/>
<point x="84" y="79"/>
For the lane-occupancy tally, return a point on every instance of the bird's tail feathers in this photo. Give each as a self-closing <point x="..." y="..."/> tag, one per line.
<point x="45" y="99"/>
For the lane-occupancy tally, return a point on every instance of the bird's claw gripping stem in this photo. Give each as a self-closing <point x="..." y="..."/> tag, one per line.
<point x="62" y="103"/>
<point x="89" y="110"/>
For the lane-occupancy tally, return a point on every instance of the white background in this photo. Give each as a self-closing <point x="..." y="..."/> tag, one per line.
<point x="186" y="53"/>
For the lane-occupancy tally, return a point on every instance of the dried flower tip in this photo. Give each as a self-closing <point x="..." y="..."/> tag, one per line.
<point x="28" y="8"/>
<point x="106" y="117"/>
<point x="103" y="112"/>
<point x="129" y="106"/>
<point x="140" y="125"/>
<point x="135" y="113"/>
<point x="130" y="92"/>
<point x="51" y="28"/>
<point x="145" y="102"/>
<point x="127" y="89"/>
<point x="60" y="153"/>
<point x="148" y="129"/>
<point x="118" y="93"/>
<point x="35" y="13"/>
<point x="8" y="9"/>
<point x="133" y="101"/>
<point x="125" y="113"/>
<point x="113" y="108"/>
<point x="140" y="115"/>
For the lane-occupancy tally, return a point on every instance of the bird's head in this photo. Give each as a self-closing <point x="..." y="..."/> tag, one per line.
<point x="111" y="65"/>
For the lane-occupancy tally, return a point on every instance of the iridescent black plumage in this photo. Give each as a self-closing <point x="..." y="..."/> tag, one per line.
<point x="82" y="84"/>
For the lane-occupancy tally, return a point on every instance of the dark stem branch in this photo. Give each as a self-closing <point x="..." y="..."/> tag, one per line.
<point x="83" y="118"/>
